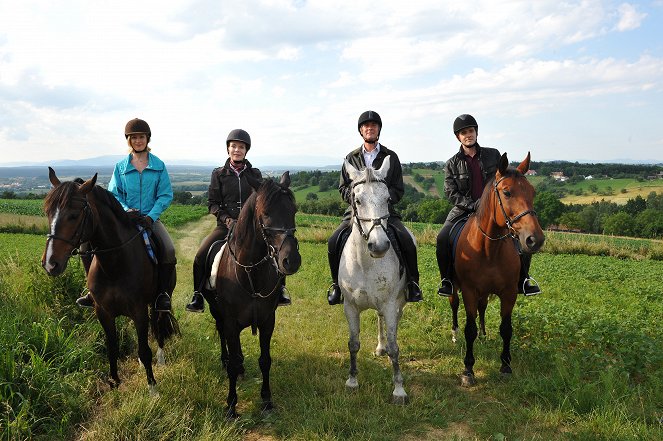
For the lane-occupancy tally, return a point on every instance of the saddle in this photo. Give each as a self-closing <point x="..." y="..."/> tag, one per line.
<point x="212" y="263"/>
<point x="454" y="234"/>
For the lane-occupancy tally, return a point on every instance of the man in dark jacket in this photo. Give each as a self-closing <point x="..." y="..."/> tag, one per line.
<point x="466" y="174"/>
<point x="371" y="154"/>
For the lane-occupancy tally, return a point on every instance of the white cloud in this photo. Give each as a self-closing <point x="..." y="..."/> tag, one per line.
<point x="629" y="18"/>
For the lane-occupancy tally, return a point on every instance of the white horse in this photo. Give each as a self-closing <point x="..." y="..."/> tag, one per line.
<point x="369" y="273"/>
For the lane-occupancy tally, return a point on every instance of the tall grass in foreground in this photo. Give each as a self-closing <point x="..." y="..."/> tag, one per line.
<point x="586" y="358"/>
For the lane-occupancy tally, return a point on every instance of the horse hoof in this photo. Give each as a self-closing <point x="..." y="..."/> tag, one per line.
<point x="467" y="380"/>
<point x="267" y="408"/>
<point x="506" y="371"/>
<point x="400" y="400"/>
<point x="379" y="352"/>
<point x="154" y="393"/>
<point x="231" y="413"/>
<point x="352" y="384"/>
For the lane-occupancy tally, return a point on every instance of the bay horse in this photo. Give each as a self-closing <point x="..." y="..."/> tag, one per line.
<point x="121" y="279"/>
<point x="370" y="275"/>
<point x="248" y="273"/>
<point x="487" y="258"/>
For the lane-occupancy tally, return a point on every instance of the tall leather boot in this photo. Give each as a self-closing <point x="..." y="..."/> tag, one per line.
<point x="164" y="282"/>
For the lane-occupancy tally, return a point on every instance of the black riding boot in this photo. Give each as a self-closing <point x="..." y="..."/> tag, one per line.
<point x="527" y="285"/>
<point x="408" y="250"/>
<point x="85" y="300"/>
<point x="164" y="279"/>
<point x="197" y="303"/>
<point x="284" y="298"/>
<point x="443" y="255"/>
<point x="334" y="292"/>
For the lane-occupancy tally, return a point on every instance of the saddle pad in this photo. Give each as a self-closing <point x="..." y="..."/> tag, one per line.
<point x="211" y="282"/>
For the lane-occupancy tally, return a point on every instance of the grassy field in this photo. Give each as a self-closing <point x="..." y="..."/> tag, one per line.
<point x="586" y="358"/>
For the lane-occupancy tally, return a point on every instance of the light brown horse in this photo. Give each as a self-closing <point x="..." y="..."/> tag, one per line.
<point x="486" y="258"/>
<point x="122" y="279"/>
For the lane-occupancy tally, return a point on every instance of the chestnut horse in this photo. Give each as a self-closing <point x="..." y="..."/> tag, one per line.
<point x="122" y="279"/>
<point x="248" y="272"/>
<point x="487" y="260"/>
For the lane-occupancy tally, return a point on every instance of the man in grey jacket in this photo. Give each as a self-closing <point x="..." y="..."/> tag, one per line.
<point x="466" y="174"/>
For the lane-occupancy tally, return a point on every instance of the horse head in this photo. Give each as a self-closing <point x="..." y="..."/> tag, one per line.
<point x="370" y="205"/>
<point x="70" y="221"/>
<point x="275" y="217"/>
<point x="515" y="197"/>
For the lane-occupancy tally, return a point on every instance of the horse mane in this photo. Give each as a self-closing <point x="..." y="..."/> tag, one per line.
<point x="61" y="196"/>
<point x="484" y="202"/>
<point x="258" y="201"/>
<point x="370" y="175"/>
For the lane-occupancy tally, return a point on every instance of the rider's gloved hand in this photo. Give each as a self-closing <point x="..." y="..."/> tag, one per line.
<point x="146" y="222"/>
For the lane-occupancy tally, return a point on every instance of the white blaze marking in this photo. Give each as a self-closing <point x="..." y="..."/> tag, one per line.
<point x="49" y="247"/>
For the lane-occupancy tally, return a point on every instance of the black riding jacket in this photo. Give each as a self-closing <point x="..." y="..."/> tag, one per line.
<point x="228" y="192"/>
<point x="458" y="181"/>
<point x="394" y="178"/>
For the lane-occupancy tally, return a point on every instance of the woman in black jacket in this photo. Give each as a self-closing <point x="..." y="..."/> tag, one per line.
<point x="230" y="186"/>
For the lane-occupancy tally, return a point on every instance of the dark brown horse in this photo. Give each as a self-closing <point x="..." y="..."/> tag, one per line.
<point x="261" y="250"/>
<point x="122" y="279"/>
<point x="486" y="258"/>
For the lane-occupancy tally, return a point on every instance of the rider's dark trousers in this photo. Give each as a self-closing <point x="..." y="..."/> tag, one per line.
<point x="443" y="251"/>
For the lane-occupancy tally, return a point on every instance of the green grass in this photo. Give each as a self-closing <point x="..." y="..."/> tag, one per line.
<point x="586" y="359"/>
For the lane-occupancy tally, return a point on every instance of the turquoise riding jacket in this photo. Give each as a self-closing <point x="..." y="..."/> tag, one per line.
<point x="148" y="191"/>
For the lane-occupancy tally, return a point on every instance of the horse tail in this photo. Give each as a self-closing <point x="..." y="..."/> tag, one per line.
<point x="163" y="325"/>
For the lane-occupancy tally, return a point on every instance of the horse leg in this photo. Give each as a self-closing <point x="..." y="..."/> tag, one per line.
<point x="352" y="315"/>
<point x="392" y="318"/>
<point x="467" y="378"/>
<point x="506" y="331"/>
<point x="454" y="302"/>
<point x="381" y="348"/>
<point x="144" y="351"/>
<point x="234" y="362"/>
<point x="265" y="363"/>
<point x="110" y="331"/>
<point x="483" y="304"/>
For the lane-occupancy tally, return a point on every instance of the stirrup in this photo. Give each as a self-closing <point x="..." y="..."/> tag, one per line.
<point x="443" y="293"/>
<point x="535" y="292"/>
<point x="329" y="292"/>
<point x="284" y="298"/>
<point x="84" y="300"/>
<point x="414" y="297"/>
<point x="167" y="306"/>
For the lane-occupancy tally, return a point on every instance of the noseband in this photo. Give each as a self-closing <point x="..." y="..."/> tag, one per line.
<point x="374" y="221"/>
<point x="511" y="232"/>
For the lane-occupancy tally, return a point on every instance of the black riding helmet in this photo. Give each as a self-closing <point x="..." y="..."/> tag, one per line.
<point x="367" y="116"/>
<point x="137" y="126"/>
<point x="239" y="135"/>
<point x="464" y="121"/>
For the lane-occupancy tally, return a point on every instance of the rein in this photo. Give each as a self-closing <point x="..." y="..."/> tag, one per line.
<point x="374" y="221"/>
<point x="511" y="232"/>
<point x="272" y="254"/>
<point x="77" y="239"/>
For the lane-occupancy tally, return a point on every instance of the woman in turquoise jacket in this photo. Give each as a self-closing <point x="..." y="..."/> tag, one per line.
<point x="141" y="184"/>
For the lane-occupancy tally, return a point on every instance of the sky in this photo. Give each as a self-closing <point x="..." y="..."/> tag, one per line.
<point x="573" y="80"/>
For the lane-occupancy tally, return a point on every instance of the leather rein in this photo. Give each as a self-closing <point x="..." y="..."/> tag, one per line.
<point x="272" y="254"/>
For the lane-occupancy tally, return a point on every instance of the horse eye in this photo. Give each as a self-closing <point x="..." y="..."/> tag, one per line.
<point x="507" y="193"/>
<point x="358" y="201"/>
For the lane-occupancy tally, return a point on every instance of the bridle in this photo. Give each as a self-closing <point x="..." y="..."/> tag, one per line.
<point x="77" y="238"/>
<point x="271" y="255"/>
<point x="374" y="221"/>
<point x="511" y="232"/>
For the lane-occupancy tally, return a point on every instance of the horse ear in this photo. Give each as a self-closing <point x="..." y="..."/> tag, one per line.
<point x="384" y="169"/>
<point x="51" y="177"/>
<point x="285" y="179"/>
<point x="88" y="185"/>
<point x="524" y="166"/>
<point x="504" y="164"/>
<point x="350" y="169"/>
